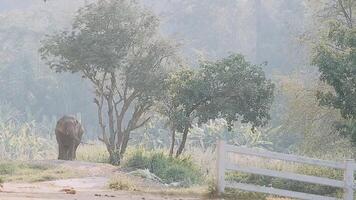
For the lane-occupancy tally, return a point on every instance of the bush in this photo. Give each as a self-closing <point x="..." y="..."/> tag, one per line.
<point x="7" y="168"/>
<point x="166" y="168"/>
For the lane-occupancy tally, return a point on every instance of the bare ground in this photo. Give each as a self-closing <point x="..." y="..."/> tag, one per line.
<point x="92" y="186"/>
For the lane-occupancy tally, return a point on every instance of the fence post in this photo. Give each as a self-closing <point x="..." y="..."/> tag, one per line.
<point x="349" y="180"/>
<point x="221" y="155"/>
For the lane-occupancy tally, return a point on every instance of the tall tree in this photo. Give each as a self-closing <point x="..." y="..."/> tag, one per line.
<point x="115" y="44"/>
<point x="335" y="57"/>
<point x="230" y="88"/>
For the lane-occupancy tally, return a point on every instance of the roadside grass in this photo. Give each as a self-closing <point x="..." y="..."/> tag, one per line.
<point x="279" y="183"/>
<point x="93" y="153"/>
<point x="122" y="182"/>
<point x="197" y="167"/>
<point x="15" y="171"/>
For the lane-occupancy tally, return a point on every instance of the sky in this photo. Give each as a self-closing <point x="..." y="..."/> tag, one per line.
<point x="14" y="4"/>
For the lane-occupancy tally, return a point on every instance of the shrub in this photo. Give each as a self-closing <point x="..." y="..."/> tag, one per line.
<point x="137" y="159"/>
<point x="121" y="183"/>
<point x="7" y="168"/>
<point x="166" y="168"/>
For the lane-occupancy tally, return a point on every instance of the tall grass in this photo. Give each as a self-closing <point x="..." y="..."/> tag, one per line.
<point x="22" y="142"/>
<point x="94" y="152"/>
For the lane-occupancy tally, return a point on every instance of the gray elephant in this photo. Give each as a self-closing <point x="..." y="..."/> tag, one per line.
<point x="69" y="133"/>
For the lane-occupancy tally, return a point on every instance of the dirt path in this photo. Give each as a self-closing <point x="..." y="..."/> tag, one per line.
<point x="86" y="188"/>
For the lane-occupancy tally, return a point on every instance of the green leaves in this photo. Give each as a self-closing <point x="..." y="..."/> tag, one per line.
<point x="335" y="57"/>
<point x="238" y="90"/>
<point x="231" y="88"/>
<point x="116" y="45"/>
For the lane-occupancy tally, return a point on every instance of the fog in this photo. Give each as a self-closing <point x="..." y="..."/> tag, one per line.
<point x="275" y="33"/>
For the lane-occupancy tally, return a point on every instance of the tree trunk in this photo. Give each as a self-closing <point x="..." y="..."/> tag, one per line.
<point x="124" y="144"/>
<point x="110" y="103"/>
<point x="172" y="143"/>
<point x="184" y="139"/>
<point x="114" y="158"/>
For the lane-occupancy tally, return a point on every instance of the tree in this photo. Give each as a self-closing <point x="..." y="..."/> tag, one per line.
<point x="336" y="60"/>
<point x="231" y="88"/>
<point x="335" y="57"/>
<point x="115" y="44"/>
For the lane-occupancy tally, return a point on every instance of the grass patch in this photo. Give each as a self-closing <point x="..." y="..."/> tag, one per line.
<point x="168" y="169"/>
<point x="121" y="183"/>
<point x="93" y="153"/>
<point x="291" y="184"/>
<point x="195" y="191"/>
<point x="26" y="172"/>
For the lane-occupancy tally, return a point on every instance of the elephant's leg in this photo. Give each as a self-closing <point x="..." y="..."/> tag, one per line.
<point x="60" y="151"/>
<point x="75" y="151"/>
<point x="71" y="152"/>
<point x="65" y="152"/>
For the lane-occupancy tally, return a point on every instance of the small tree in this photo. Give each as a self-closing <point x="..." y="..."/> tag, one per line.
<point x="231" y="88"/>
<point x="115" y="45"/>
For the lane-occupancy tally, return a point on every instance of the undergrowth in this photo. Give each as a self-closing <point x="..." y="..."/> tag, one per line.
<point x="169" y="169"/>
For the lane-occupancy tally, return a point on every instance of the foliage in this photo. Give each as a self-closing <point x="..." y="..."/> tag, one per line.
<point x="153" y="135"/>
<point x="335" y="57"/>
<point x="22" y="142"/>
<point x="166" y="168"/>
<point x="305" y="127"/>
<point x="115" y="44"/>
<point x="206" y="135"/>
<point x="231" y="88"/>
<point x="336" y="60"/>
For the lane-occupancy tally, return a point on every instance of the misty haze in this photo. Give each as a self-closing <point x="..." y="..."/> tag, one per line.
<point x="177" y="99"/>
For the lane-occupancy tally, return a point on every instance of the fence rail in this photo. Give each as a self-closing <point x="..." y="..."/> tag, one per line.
<point x="223" y="165"/>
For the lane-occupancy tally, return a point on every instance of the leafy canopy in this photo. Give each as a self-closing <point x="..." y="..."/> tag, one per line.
<point x="116" y="45"/>
<point x="336" y="59"/>
<point x="230" y="88"/>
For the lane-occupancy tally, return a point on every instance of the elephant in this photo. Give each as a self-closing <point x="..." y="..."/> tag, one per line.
<point x="69" y="133"/>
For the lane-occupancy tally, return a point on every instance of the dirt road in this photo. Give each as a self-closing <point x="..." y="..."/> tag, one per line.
<point x="85" y="188"/>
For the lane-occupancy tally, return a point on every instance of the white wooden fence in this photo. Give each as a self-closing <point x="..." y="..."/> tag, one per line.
<point x="223" y="165"/>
